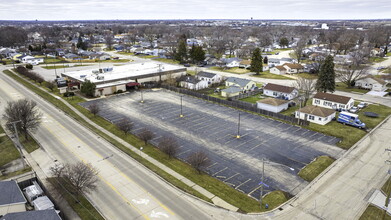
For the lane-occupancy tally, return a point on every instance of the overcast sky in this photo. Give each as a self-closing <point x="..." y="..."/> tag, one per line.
<point x="193" y="9"/>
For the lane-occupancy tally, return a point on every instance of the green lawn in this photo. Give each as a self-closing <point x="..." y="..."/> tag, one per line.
<point x="307" y="75"/>
<point x="252" y="99"/>
<point x="53" y="60"/>
<point x="16" y="173"/>
<point x="29" y="144"/>
<point x="61" y="66"/>
<point x="164" y="60"/>
<point x="377" y="59"/>
<point x="126" y="53"/>
<point x="8" y="150"/>
<point x="373" y="212"/>
<point x="83" y="208"/>
<point x="235" y="70"/>
<point x="312" y="170"/>
<point x="268" y="75"/>
<point x="274" y="199"/>
<point x="348" y="134"/>
<point x="343" y="87"/>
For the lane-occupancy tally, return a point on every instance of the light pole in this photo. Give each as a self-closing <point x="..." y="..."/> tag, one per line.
<point x="238" y="135"/>
<point x="55" y="70"/>
<point x="142" y="97"/>
<point x="141" y="149"/>
<point x="263" y="175"/>
<point x="181" y="115"/>
<point x="298" y="111"/>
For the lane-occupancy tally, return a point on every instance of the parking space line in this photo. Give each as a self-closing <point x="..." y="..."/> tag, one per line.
<point x="231" y="177"/>
<point x="220" y="171"/>
<point x="242" y="184"/>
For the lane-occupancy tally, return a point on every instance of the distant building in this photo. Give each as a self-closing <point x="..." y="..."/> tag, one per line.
<point x="324" y="26"/>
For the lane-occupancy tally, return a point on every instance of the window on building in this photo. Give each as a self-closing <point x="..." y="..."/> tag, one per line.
<point x="317" y="101"/>
<point x="275" y="93"/>
<point x="311" y="117"/>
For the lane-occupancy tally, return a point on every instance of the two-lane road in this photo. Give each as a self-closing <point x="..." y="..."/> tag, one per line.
<point x="126" y="189"/>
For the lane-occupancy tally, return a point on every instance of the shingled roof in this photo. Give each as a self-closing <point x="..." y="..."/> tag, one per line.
<point x="206" y="74"/>
<point x="278" y="88"/>
<point x="273" y="101"/>
<point x="294" y="65"/>
<point x="317" y="111"/>
<point x="332" y="97"/>
<point x="10" y="193"/>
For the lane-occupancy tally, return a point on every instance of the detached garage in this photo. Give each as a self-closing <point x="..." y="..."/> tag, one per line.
<point x="273" y="105"/>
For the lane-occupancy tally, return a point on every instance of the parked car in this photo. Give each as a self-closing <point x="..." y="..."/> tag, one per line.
<point x="277" y="53"/>
<point x="362" y="105"/>
<point x="354" y="109"/>
<point x="186" y="65"/>
<point x="381" y="67"/>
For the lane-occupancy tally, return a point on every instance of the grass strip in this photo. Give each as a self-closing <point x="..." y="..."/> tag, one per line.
<point x="313" y="169"/>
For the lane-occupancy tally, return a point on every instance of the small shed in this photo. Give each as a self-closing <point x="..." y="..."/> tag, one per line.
<point x="273" y="104"/>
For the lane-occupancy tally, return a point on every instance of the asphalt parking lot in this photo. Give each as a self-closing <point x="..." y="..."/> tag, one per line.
<point x="213" y="128"/>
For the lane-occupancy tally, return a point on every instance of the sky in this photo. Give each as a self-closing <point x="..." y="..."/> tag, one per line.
<point x="193" y="9"/>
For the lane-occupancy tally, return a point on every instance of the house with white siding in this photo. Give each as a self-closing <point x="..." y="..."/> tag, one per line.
<point x="190" y="82"/>
<point x="332" y="101"/>
<point x="371" y="83"/>
<point x="279" y="70"/>
<point x="279" y="91"/>
<point x="211" y="78"/>
<point x="315" y="114"/>
<point x="243" y="84"/>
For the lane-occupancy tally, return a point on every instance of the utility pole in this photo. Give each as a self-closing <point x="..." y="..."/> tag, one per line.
<point x="17" y="142"/>
<point x="263" y="174"/>
<point x="298" y="111"/>
<point x="238" y="135"/>
<point x="55" y="70"/>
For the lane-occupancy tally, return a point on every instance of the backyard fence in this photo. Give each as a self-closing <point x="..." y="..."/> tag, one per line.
<point x="238" y="104"/>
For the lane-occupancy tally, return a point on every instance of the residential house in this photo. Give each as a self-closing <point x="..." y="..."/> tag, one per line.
<point x="311" y="68"/>
<point x="190" y="82"/>
<point x="49" y="214"/>
<point x="243" y="84"/>
<point x="211" y="60"/>
<point x="71" y="56"/>
<point x="315" y="114"/>
<point x="273" y="104"/>
<point x="231" y="91"/>
<point x="293" y="68"/>
<point x="278" y="62"/>
<point x="11" y="198"/>
<point x="279" y="70"/>
<point x="6" y="52"/>
<point x="372" y="83"/>
<point x="231" y="62"/>
<point x="332" y="101"/>
<point x="376" y="52"/>
<point x="30" y="59"/>
<point x="246" y="64"/>
<point x="211" y="78"/>
<point x="279" y="91"/>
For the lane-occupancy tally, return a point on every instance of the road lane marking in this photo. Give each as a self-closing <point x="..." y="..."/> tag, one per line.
<point x="100" y="177"/>
<point x="120" y="172"/>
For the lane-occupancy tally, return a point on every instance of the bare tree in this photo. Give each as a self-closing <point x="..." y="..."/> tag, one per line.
<point x="79" y="178"/>
<point x="125" y="125"/>
<point x="349" y="73"/>
<point x="169" y="146"/>
<point x="26" y="113"/>
<point x="146" y="135"/>
<point x="306" y="87"/>
<point x="94" y="109"/>
<point x="109" y="41"/>
<point x="298" y="50"/>
<point x="198" y="160"/>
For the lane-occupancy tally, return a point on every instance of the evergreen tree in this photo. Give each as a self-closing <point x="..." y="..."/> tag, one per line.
<point x="265" y="60"/>
<point x="88" y="88"/>
<point x="181" y="53"/>
<point x="256" y="61"/>
<point x="284" y="42"/>
<point x="326" y="80"/>
<point x="197" y="54"/>
<point x="192" y="53"/>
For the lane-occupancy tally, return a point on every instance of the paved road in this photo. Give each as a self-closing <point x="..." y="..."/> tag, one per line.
<point x="126" y="190"/>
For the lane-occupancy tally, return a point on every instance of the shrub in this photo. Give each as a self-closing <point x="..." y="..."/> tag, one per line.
<point x="29" y="66"/>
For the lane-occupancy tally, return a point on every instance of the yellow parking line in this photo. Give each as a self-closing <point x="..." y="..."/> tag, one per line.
<point x="104" y="180"/>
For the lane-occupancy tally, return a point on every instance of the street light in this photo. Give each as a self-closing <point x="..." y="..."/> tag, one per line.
<point x="181" y="115"/>
<point x="262" y="183"/>
<point x="238" y="135"/>
<point x="142" y="97"/>
<point x="298" y="111"/>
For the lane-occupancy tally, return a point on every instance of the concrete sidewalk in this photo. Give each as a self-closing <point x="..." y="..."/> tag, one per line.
<point x="216" y="200"/>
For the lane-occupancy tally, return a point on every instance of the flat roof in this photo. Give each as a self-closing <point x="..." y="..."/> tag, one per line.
<point x="125" y="72"/>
